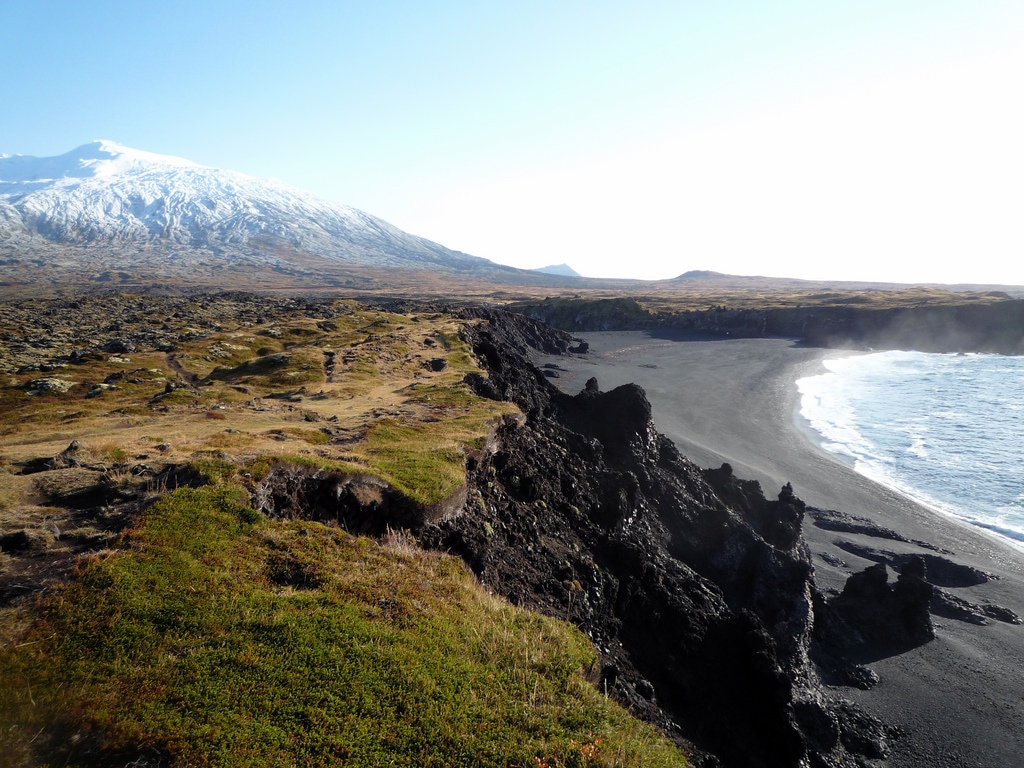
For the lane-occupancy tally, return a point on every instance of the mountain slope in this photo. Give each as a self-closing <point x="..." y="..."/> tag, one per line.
<point x="168" y="212"/>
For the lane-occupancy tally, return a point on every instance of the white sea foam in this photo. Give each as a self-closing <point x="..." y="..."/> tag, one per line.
<point x="942" y="429"/>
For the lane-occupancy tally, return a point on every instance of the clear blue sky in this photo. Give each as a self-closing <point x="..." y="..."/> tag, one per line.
<point x="873" y="140"/>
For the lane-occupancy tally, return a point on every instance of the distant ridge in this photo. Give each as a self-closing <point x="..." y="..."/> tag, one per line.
<point x="563" y="270"/>
<point x="700" y="274"/>
<point x="709" y="280"/>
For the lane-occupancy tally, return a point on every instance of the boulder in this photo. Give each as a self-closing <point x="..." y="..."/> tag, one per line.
<point x="872" y="617"/>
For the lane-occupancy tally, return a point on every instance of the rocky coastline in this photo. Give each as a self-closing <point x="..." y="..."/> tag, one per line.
<point x="954" y="700"/>
<point x="696" y="586"/>
<point x="697" y="589"/>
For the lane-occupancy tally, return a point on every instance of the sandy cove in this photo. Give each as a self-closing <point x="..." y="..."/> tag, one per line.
<point x="957" y="700"/>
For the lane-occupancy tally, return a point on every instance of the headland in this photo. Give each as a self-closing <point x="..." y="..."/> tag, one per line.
<point x="955" y="699"/>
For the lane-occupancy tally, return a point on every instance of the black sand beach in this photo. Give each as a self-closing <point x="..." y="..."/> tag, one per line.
<point x="957" y="700"/>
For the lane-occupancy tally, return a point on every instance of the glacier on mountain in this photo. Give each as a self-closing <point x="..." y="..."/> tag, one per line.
<point x="105" y="193"/>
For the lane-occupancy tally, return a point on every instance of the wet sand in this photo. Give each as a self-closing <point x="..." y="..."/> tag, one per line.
<point x="958" y="700"/>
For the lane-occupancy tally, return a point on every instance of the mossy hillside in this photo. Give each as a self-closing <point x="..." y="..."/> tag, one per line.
<point x="425" y="461"/>
<point x="278" y="369"/>
<point x="374" y="391"/>
<point x="224" y="639"/>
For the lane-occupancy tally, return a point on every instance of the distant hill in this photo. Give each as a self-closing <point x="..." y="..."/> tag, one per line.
<point x="563" y="270"/>
<point x="708" y="280"/>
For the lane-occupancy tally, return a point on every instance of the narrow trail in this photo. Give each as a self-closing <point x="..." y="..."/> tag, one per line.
<point x="177" y="367"/>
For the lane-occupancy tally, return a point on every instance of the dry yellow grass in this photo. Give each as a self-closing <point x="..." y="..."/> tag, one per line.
<point x="326" y="388"/>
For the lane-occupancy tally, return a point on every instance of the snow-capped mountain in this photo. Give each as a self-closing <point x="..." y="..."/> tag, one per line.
<point x="103" y="198"/>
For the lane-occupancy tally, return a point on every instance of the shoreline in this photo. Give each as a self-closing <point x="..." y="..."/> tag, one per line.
<point x="1007" y="537"/>
<point x="957" y="700"/>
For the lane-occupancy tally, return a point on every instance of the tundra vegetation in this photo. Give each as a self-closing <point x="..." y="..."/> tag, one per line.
<point x="151" y="615"/>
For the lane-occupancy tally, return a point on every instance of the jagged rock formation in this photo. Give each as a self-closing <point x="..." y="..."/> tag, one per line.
<point x="870" y="617"/>
<point x="697" y="590"/>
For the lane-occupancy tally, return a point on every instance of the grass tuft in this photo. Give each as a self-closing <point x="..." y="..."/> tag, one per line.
<point x="218" y="638"/>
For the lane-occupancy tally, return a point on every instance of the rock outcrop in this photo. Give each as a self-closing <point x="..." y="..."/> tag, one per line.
<point x="872" y="617"/>
<point x="697" y="590"/>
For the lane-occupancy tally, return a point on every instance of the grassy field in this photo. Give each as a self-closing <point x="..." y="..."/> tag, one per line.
<point x="203" y="633"/>
<point x="219" y="638"/>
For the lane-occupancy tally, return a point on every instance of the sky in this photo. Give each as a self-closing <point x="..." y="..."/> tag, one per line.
<point x="872" y="140"/>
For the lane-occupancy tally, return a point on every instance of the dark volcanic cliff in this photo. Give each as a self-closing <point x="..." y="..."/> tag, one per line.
<point x="991" y="325"/>
<point x="697" y="590"/>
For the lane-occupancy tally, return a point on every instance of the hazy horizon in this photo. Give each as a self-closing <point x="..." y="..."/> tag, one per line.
<point x="870" y="143"/>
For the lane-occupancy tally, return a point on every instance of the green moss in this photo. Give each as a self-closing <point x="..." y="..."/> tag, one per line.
<point x="421" y="460"/>
<point x="279" y="369"/>
<point x="311" y="436"/>
<point x="451" y="395"/>
<point x="260" y="466"/>
<point x="176" y="397"/>
<point x="216" y="470"/>
<point x="111" y="453"/>
<point x="226" y="642"/>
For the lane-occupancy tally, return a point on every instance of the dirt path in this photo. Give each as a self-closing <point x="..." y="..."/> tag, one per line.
<point x="178" y="368"/>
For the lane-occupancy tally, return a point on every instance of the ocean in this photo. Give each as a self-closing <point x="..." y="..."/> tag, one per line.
<point x="946" y="430"/>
